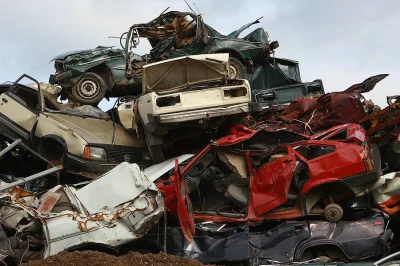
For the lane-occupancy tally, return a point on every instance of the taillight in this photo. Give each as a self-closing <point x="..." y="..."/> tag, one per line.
<point x="369" y="164"/>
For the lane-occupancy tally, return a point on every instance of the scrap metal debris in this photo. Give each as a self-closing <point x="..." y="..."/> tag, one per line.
<point x="254" y="165"/>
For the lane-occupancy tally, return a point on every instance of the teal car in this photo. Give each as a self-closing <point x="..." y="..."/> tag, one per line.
<point x="90" y="75"/>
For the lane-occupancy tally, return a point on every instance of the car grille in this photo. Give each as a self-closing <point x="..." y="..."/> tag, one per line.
<point x="119" y="154"/>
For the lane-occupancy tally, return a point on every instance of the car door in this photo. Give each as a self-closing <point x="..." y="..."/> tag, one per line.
<point x="20" y="107"/>
<point x="270" y="184"/>
<point x="185" y="212"/>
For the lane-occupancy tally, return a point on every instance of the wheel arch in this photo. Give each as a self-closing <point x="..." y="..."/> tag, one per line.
<point x="51" y="138"/>
<point x="320" y="191"/>
<point x="328" y="247"/>
<point x="233" y="53"/>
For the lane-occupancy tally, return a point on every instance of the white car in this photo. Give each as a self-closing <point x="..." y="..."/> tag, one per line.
<point x="109" y="212"/>
<point x="186" y="94"/>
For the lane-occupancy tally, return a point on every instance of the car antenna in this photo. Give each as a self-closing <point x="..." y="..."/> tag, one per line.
<point x="165" y="10"/>
<point x="190" y="7"/>
<point x="198" y="11"/>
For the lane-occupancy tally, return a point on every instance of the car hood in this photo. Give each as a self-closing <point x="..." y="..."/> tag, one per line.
<point x="100" y="50"/>
<point x="367" y="85"/>
<point x="97" y="130"/>
<point x="184" y="71"/>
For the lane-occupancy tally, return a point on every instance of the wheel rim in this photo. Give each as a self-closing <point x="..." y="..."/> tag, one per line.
<point x="234" y="72"/>
<point x="88" y="89"/>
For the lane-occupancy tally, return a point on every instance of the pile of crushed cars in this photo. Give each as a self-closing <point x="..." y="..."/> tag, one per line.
<point x="224" y="155"/>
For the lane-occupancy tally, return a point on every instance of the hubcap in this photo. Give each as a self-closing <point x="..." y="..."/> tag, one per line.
<point x="88" y="89"/>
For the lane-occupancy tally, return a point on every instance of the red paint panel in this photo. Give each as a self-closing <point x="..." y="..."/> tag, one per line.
<point x="270" y="185"/>
<point x="345" y="161"/>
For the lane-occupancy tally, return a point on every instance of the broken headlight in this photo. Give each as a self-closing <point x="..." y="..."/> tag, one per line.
<point x="94" y="153"/>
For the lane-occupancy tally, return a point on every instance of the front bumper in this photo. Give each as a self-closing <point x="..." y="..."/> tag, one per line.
<point x="87" y="168"/>
<point x="242" y="108"/>
<point x="56" y="78"/>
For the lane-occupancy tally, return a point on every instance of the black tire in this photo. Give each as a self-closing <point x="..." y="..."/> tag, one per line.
<point x="156" y="152"/>
<point x="237" y="69"/>
<point x="90" y="89"/>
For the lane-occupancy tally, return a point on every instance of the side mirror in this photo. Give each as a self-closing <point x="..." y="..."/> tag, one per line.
<point x="273" y="45"/>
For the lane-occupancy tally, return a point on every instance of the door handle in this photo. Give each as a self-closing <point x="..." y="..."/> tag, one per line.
<point x="287" y="160"/>
<point x="4" y="100"/>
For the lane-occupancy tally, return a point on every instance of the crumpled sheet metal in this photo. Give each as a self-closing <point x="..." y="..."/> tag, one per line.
<point x="284" y="243"/>
<point x="386" y="193"/>
<point x="118" y="221"/>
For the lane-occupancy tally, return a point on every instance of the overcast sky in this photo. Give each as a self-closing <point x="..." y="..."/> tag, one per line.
<point x="341" y="42"/>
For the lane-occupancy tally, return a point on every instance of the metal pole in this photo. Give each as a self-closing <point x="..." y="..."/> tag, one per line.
<point x="9" y="147"/>
<point x="30" y="178"/>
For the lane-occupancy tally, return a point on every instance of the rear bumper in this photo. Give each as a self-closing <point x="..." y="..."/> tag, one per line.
<point x="199" y="114"/>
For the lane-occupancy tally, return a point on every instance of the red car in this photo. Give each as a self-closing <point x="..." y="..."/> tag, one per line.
<point x="245" y="178"/>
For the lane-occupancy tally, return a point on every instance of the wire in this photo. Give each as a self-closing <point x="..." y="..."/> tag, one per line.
<point x="23" y="255"/>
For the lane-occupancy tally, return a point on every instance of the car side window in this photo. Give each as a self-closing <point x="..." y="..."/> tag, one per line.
<point x="26" y="96"/>
<point x="314" y="151"/>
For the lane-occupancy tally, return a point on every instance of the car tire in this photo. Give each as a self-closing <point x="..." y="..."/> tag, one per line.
<point x="90" y="89"/>
<point x="236" y="68"/>
<point x="156" y="152"/>
<point x="333" y="212"/>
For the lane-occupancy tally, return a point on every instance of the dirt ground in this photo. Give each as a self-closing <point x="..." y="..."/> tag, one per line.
<point x="94" y="258"/>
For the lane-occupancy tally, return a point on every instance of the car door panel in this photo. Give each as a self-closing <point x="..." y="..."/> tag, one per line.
<point x="270" y="185"/>
<point x="16" y="116"/>
<point x="185" y="213"/>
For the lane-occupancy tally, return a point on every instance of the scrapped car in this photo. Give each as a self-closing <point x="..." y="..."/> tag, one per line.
<point x="107" y="213"/>
<point x="175" y="34"/>
<point x="183" y="97"/>
<point x="306" y="115"/>
<point x="84" y="140"/>
<point x="250" y="180"/>
<point x="90" y="75"/>
<point x="287" y="242"/>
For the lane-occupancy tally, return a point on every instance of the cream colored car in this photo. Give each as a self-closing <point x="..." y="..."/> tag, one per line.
<point x="183" y="96"/>
<point x="84" y="139"/>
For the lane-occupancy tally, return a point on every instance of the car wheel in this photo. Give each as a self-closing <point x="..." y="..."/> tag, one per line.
<point x="90" y="89"/>
<point x="333" y="212"/>
<point x="236" y="68"/>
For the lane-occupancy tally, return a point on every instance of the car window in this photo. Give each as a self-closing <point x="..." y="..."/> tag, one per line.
<point x="26" y="96"/>
<point x="314" y="151"/>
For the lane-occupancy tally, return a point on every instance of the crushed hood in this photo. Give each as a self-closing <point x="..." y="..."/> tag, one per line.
<point x="367" y="85"/>
<point x="96" y="130"/>
<point x="98" y="51"/>
<point x="184" y="71"/>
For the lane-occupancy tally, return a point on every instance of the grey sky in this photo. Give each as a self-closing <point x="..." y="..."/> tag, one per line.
<point x="341" y="42"/>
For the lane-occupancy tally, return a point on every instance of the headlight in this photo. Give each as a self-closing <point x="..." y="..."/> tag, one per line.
<point x="94" y="153"/>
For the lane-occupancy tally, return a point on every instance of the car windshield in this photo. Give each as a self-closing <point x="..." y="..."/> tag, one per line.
<point x="289" y="70"/>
